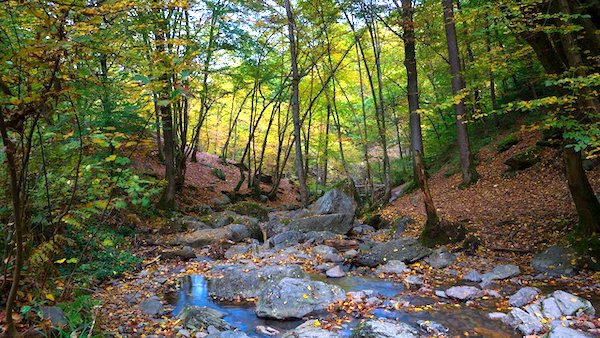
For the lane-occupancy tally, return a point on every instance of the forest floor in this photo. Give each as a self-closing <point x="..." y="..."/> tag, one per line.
<point x="515" y="215"/>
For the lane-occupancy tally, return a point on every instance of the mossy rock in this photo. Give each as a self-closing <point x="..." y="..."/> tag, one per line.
<point x="524" y="159"/>
<point x="507" y="142"/>
<point x="251" y="209"/>
<point x="218" y="173"/>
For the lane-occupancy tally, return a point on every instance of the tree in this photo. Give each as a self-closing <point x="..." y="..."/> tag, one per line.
<point x="469" y="173"/>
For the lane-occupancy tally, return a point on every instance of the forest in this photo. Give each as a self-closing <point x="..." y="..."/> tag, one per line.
<point x="299" y="168"/>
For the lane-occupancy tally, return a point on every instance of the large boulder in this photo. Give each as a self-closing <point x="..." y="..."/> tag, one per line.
<point x="524" y="159"/>
<point x="196" y="318"/>
<point x="570" y="304"/>
<point x="333" y="202"/>
<point x="555" y="261"/>
<point x="310" y="329"/>
<point x="384" y="328"/>
<point x="296" y="298"/>
<point x="247" y="281"/>
<point x="560" y="331"/>
<point x="336" y="223"/>
<point x="405" y="249"/>
<point x="286" y="239"/>
<point x="231" y="232"/>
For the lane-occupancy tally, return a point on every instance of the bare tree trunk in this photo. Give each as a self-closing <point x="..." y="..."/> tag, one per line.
<point x="469" y="173"/>
<point x="296" y="105"/>
<point x="416" y="138"/>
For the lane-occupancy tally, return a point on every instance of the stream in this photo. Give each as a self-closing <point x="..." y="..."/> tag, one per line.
<point x="242" y="316"/>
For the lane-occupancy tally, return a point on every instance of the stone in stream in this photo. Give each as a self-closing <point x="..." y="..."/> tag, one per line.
<point x="322" y="250"/>
<point x="433" y="327"/>
<point x="560" y="331"/>
<point x="555" y="261"/>
<point x="441" y="258"/>
<point x="464" y="292"/>
<point x="498" y="273"/>
<point x="335" y="272"/>
<point x="472" y="276"/>
<point x="384" y="328"/>
<point x="570" y="304"/>
<point x="310" y="329"/>
<point x="286" y="239"/>
<point x="196" y="318"/>
<point x="296" y="298"/>
<point x="152" y="306"/>
<point x="523" y="296"/>
<point x="233" y="232"/>
<point x="393" y="266"/>
<point x="525" y="322"/>
<point x="247" y="281"/>
<point x="228" y="334"/>
<point x="404" y="249"/>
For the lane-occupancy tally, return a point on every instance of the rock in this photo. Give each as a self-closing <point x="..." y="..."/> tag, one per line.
<point x="524" y="159"/>
<point x="464" y="292"/>
<point x="220" y="201"/>
<point x="185" y="253"/>
<point x="228" y="334"/>
<point x="286" y="239"/>
<point x="433" y="327"/>
<point x="152" y="306"/>
<point x="472" y="276"/>
<point x="555" y="261"/>
<point x="384" y="328"/>
<point x="393" y="266"/>
<point x="296" y="298"/>
<point x="333" y="202"/>
<point x="251" y="209"/>
<point x="350" y="254"/>
<point x="196" y="318"/>
<point x="496" y="315"/>
<point x="501" y="272"/>
<point x="401" y="224"/>
<point x="184" y="333"/>
<point x="55" y="314"/>
<point x="232" y="232"/>
<point x="241" y="249"/>
<point x="526" y="323"/>
<point x="523" y="296"/>
<point x="310" y="329"/>
<point x="246" y="281"/>
<point x="240" y="232"/>
<point x="335" y="258"/>
<point x="322" y="250"/>
<point x="267" y="330"/>
<point x="441" y="258"/>
<point x="440" y="294"/>
<point x="570" y="304"/>
<point x="550" y="308"/>
<point x="185" y="223"/>
<point x="414" y="280"/>
<point x="335" y="223"/>
<point x="404" y="249"/>
<point x="319" y="237"/>
<point x="361" y="229"/>
<point x="335" y="272"/>
<point x="560" y="331"/>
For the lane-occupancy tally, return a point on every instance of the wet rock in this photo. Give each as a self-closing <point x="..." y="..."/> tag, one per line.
<point x="414" y="280"/>
<point x="401" y="224"/>
<point x="523" y="296"/>
<point x="393" y="266"/>
<point x="384" y="328"/>
<point x="440" y="293"/>
<point x="496" y="315"/>
<point x="441" y="258"/>
<point x="55" y="314"/>
<point x="196" y="318"/>
<point x="232" y="232"/>
<point x="555" y="261"/>
<point x="333" y="202"/>
<point x="152" y="306"/>
<point x="433" y="327"/>
<point x="464" y="292"/>
<point x="335" y="223"/>
<point x="526" y="323"/>
<point x="335" y="272"/>
<point x="322" y="250"/>
<point x="295" y="298"/>
<point x="319" y="237"/>
<point x="472" y="276"/>
<point x="220" y="201"/>
<point x="247" y="281"/>
<point x="405" y="250"/>
<point x="570" y="304"/>
<point x="501" y="272"/>
<point x="560" y="331"/>
<point x="310" y="329"/>
<point x="228" y="334"/>
<point x="350" y="254"/>
<point x="286" y="239"/>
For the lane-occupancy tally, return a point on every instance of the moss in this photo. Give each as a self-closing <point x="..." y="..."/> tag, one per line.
<point x="507" y="142"/>
<point x="218" y="173"/>
<point x="251" y="209"/>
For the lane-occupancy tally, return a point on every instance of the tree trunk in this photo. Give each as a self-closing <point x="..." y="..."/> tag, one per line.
<point x="296" y="105"/>
<point x="469" y="173"/>
<point x="412" y="92"/>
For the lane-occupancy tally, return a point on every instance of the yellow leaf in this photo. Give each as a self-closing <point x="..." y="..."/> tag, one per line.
<point x="317" y="323"/>
<point x="111" y="158"/>
<point x="60" y="261"/>
<point x="305" y="296"/>
<point x="50" y="296"/>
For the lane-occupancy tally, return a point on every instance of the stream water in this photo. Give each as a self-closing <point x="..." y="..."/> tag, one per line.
<point x="459" y="320"/>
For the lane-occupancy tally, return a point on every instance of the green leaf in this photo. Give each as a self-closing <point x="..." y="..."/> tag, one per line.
<point x="163" y="103"/>
<point x="141" y="78"/>
<point x="72" y="261"/>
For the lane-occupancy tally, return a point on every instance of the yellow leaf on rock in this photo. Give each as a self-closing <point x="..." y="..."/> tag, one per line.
<point x="305" y="296"/>
<point x="317" y="323"/>
<point x="50" y="296"/>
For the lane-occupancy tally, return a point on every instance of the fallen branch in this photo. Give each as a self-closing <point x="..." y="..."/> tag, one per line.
<point x="495" y="248"/>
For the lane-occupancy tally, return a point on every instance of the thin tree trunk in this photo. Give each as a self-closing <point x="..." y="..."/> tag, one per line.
<point x="296" y="105"/>
<point x="469" y="173"/>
